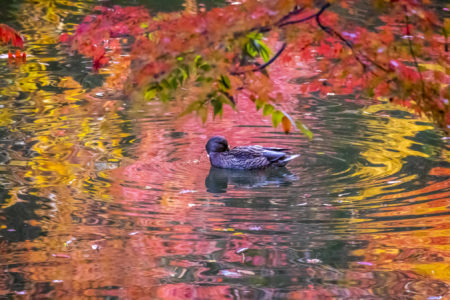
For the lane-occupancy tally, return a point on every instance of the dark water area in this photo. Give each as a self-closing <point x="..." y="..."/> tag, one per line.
<point x="105" y="198"/>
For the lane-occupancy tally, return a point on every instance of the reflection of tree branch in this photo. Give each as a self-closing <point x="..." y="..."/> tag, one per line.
<point x="411" y="50"/>
<point x="265" y="65"/>
<point x="446" y="39"/>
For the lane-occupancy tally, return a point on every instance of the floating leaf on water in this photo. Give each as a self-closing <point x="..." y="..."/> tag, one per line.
<point x="61" y="255"/>
<point x="246" y="272"/>
<point x="239" y="251"/>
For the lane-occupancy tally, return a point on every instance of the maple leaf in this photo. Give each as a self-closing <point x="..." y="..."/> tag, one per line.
<point x="7" y="34"/>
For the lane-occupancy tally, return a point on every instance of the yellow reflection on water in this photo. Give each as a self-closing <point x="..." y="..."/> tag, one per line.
<point x="74" y="140"/>
<point x="410" y="228"/>
<point x="67" y="139"/>
<point x="387" y="152"/>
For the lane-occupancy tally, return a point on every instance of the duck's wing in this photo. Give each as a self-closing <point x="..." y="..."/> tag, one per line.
<point x="260" y="148"/>
<point x="275" y="148"/>
<point x="273" y="155"/>
<point x="270" y="153"/>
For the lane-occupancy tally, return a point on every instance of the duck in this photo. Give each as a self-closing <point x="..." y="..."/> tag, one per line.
<point x="245" y="157"/>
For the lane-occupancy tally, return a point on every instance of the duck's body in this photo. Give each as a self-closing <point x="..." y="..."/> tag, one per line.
<point x="245" y="157"/>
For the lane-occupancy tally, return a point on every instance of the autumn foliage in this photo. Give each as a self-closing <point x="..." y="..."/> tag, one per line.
<point x="7" y="35"/>
<point x="206" y="60"/>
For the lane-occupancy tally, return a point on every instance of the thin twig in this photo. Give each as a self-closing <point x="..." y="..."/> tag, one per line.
<point x="265" y="65"/>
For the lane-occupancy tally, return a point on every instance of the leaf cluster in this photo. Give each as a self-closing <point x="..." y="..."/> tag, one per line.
<point x="7" y="34"/>
<point x="205" y="61"/>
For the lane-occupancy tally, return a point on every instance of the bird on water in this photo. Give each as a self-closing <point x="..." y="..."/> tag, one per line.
<point x="245" y="157"/>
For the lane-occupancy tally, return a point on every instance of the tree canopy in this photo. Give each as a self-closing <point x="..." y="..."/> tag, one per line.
<point x="203" y="61"/>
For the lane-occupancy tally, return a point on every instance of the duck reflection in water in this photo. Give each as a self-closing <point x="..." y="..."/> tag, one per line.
<point x="218" y="179"/>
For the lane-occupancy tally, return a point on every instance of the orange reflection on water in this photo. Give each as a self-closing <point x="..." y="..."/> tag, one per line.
<point x="424" y="248"/>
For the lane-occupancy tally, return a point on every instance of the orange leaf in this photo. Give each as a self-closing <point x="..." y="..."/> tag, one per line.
<point x="286" y="124"/>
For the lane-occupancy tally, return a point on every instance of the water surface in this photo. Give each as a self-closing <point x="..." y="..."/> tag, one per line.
<point x="109" y="198"/>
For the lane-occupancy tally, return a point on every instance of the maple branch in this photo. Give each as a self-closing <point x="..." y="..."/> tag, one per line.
<point x="333" y="32"/>
<point x="322" y="9"/>
<point x="265" y="65"/>
<point x="294" y="12"/>
<point x="281" y="23"/>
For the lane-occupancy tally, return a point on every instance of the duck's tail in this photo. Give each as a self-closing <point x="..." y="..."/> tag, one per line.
<point x="290" y="157"/>
<point x="286" y="159"/>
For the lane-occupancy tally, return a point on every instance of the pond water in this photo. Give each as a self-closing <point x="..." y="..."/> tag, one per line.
<point x="111" y="199"/>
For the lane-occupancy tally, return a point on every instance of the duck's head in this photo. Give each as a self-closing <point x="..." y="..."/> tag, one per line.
<point x="217" y="144"/>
